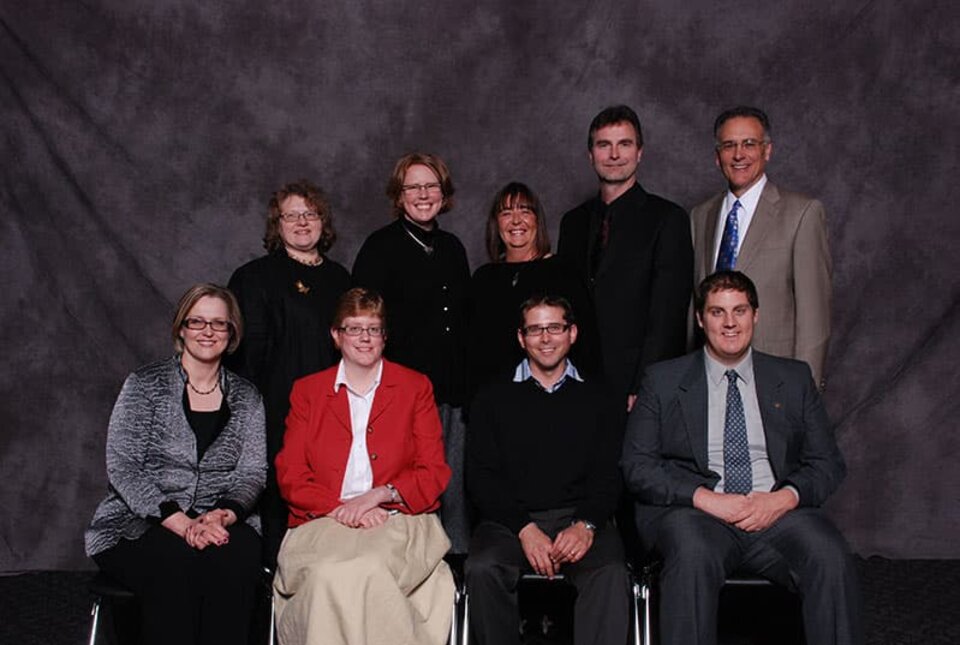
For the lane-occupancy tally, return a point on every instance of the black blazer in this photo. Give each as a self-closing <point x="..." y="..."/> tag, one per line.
<point x="665" y="449"/>
<point x="641" y="289"/>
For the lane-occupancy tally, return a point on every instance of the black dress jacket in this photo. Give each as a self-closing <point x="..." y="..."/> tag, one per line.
<point x="640" y="282"/>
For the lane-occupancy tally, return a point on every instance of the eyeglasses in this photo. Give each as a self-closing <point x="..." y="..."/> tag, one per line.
<point x="414" y="189"/>
<point x="748" y="145"/>
<point x="292" y="216"/>
<point x="356" y="330"/>
<point x="554" y="329"/>
<point x="199" y="324"/>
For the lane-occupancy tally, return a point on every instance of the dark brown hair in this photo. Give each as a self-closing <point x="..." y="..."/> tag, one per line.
<point x="611" y="116"/>
<point x="541" y="300"/>
<point x="725" y="281"/>
<point x="512" y="195"/>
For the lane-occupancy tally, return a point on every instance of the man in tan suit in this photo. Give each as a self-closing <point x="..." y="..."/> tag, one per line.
<point x="778" y="238"/>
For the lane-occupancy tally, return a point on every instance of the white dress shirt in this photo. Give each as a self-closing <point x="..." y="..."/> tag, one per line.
<point x="358" y="475"/>
<point x="748" y="206"/>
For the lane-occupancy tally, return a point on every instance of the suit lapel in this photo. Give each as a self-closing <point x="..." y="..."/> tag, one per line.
<point x="764" y="217"/>
<point x="693" y="403"/>
<point x="385" y="393"/>
<point x="340" y="406"/>
<point x="713" y="215"/>
<point x="769" y="396"/>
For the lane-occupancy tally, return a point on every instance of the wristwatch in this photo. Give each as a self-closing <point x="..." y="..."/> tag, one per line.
<point x="394" y="495"/>
<point x="590" y="526"/>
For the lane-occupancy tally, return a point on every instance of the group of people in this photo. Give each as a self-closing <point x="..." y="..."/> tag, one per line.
<point x="335" y="414"/>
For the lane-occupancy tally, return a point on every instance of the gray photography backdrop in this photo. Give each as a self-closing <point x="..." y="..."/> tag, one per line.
<point x="141" y="140"/>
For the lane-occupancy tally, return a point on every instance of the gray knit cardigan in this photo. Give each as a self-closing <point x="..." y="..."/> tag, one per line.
<point x="152" y="455"/>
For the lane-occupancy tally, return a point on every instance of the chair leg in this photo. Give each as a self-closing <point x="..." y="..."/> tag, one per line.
<point x="647" y="614"/>
<point x="95" y="623"/>
<point x="453" y="618"/>
<point x="273" y="618"/>
<point x="636" y="614"/>
<point x="465" y="632"/>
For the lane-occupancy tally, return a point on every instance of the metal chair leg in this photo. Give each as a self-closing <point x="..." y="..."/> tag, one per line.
<point x="95" y="624"/>
<point x="647" y="614"/>
<point x="453" y="618"/>
<point x="465" y="632"/>
<point x="273" y="618"/>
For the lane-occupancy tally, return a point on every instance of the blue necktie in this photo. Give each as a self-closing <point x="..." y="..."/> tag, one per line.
<point x="737" y="475"/>
<point x="727" y="255"/>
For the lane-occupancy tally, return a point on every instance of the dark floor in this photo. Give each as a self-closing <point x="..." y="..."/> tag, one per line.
<point x="906" y="602"/>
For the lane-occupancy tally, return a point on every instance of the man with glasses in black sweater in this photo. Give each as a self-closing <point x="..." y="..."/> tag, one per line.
<point x="542" y="473"/>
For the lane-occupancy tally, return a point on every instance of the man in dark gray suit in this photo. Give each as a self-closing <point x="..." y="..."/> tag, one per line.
<point x="729" y="454"/>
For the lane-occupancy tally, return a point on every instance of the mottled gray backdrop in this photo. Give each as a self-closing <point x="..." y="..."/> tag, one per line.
<point x="141" y="139"/>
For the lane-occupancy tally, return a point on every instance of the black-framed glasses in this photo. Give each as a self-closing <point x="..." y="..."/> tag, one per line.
<point x="748" y="145"/>
<point x="357" y="330"/>
<point x="293" y="216"/>
<point x="554" y="329"/>
<point x="199" y="324"/>
<point x="414" y="189"/>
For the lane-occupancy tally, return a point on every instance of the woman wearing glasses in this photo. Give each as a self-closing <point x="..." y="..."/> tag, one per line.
<point x="287" y="298"/>
<point x="362" y="469"/>
<point x="186" y="463"/>
<point x="521" y="266"/>
<point x="424" y="277"/>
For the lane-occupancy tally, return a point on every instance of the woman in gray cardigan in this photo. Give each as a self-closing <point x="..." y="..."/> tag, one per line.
<point x="186" y="463"/>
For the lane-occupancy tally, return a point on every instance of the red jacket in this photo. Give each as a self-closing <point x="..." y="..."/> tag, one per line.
<point x="404" y="441"/>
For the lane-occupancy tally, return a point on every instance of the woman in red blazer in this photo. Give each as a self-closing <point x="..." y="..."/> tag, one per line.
<point x="361" y="469"/>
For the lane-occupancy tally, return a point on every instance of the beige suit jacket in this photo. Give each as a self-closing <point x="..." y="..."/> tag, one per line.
<point x="786" y="255"/>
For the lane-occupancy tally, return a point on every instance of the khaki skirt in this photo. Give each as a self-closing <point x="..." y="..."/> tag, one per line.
<point x="387" y="585"/>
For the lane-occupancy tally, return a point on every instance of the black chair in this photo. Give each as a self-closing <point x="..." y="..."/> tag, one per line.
<point x="464" y="602"/>
<point x="107" y="590"/>
<point x="644" y="586"/>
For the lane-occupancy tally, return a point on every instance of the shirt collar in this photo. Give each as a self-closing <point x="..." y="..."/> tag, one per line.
<point x="342" y="377"/>
<point x="523" y="373"/>
<point x="716" y="371"/>
<point x="749" y="199"/>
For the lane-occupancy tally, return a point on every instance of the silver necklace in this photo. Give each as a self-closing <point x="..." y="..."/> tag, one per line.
<point x="426" y="247"/>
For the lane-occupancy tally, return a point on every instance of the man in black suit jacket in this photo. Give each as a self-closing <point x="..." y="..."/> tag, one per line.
<point x="634" y="251"/>
<point x="730" y="453"/>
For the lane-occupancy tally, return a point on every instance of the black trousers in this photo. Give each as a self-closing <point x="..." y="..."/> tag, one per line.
<point x="802" y="551"/>
<point x="496" y="562"/>
<point x="189" y="596"/>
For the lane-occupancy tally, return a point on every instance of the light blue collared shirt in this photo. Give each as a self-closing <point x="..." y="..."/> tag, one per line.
<point x="523" y="373"/>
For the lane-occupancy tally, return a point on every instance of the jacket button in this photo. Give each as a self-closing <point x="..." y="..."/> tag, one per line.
<point x="370" y="429"/>
<point x="373" y="456"/>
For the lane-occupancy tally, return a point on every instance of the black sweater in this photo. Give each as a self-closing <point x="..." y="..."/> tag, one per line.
<point x="528" y="450"/>
<point x="497" y="291"/>
<point x="426" y="300"/>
